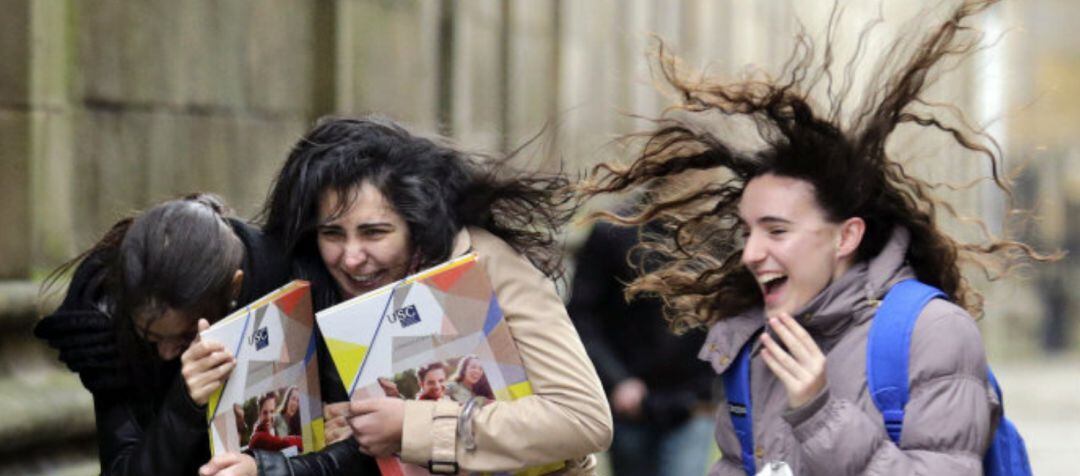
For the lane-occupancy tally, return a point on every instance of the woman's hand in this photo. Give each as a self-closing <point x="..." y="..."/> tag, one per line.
<point x="377" y="425"/>
<point x="205" y="366"/>
<point x="389" y="387"/>
<point x="628" y="396"/>
<point x="336" y="418"/>
<point x="802" y="371"/>
<point x="230" y="464"/>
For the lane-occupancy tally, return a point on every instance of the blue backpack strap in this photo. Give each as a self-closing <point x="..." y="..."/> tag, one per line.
<point x="888" y="349"/>
<point x="737" y="392"/>
<point x="887" y="357"/>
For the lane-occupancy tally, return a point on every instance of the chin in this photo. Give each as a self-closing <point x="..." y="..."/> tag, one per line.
<point x="773" y="311"/>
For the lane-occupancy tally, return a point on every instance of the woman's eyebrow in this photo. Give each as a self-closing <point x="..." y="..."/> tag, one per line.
<point x="770" y="219"/>
<point x="379" y="224"/>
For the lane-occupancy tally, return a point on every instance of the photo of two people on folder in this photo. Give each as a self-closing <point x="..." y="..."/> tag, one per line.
<point x="456" y="379"/>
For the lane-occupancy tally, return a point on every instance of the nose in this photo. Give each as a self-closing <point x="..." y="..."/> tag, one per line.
<point x="169" y="350"/>
<point x="355" y="255"/>
<point x="753" y="251"/>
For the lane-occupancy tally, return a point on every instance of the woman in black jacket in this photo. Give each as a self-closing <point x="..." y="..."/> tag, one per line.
<point x="128" y="323"/>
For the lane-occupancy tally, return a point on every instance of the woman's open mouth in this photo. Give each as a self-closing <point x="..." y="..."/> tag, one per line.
<point x="365" y="281"/>
<point x="772" y="286"/>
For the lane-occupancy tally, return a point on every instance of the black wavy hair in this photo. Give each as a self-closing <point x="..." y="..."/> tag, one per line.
<point x="436" y="188"/>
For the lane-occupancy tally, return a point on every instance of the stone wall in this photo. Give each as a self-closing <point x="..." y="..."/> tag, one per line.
<point x="108" y="106"/>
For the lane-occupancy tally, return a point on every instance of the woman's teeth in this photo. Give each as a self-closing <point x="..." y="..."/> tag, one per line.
<point x="363" y="277"/>
<point x="771" y="282"/>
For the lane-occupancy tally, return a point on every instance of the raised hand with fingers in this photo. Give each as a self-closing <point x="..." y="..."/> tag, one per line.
<point x="801" y="368"/>
<point x="205" y="366"/>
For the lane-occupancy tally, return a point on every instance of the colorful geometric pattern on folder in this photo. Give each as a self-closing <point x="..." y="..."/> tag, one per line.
<point x="402" y="339"/>
<point x="271" y="400"/>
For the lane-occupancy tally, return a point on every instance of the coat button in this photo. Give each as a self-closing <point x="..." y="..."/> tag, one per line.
<point x="724" y="360"/>
<point x="759" y="453"/>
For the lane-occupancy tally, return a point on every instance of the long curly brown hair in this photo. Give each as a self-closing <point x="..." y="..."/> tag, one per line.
<point x="703" y="279"/>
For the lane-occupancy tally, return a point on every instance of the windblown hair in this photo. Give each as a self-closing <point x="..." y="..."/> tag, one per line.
<point x="703" y="280"/>
<point x="181" y="254"/>
<point x="436" y="188"/>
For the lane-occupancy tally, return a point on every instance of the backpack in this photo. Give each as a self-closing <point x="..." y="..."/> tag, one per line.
<point x="887" y="355"/>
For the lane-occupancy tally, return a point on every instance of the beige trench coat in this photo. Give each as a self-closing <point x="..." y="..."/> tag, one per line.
<point x="567" y="419"/>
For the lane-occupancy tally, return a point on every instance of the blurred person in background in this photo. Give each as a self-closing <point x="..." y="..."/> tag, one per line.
<point x="660" y="392"/>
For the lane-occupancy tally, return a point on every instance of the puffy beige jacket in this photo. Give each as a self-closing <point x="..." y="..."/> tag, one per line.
<point x="567" y="418"/>
<point x="949" y="417"/>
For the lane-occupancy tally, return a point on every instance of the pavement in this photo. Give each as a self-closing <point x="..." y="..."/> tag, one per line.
<point x="1042" y="397"/>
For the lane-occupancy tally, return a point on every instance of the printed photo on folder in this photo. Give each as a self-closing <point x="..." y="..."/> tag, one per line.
<point x="271" y="400"/>
<point x="439" y="334"/>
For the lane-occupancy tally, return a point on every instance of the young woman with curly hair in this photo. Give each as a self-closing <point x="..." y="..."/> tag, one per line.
<point x="792" y="253"/>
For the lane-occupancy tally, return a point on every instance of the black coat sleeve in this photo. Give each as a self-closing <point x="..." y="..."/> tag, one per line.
<point x="343" y="457"/>
<point x="137" y="433"/>
<point x="84" y="335"/>
<point x="172" y="441"/>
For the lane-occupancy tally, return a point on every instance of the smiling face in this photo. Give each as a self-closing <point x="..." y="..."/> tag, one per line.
<point x="266" y="411"/>
<point x="473" y="372"/>
<point x="791" y="248"/>
<point x="365" y="246"/>
<point x="433" y="385"/>
<point x="294" y="404"/>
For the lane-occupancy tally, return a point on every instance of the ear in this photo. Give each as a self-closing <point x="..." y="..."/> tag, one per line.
<point x="237" y="283"/>
<point x="851" y="234"/>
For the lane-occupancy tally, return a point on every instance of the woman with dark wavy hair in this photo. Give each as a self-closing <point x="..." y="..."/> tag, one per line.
<point x="814" y="223"/>
<point x="361" y="203"/>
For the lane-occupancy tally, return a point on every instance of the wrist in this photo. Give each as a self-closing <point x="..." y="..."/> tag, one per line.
<point x="800" y="415"/>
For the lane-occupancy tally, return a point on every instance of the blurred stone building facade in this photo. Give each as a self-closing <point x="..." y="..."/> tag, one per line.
<point x="107" y="106"/>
